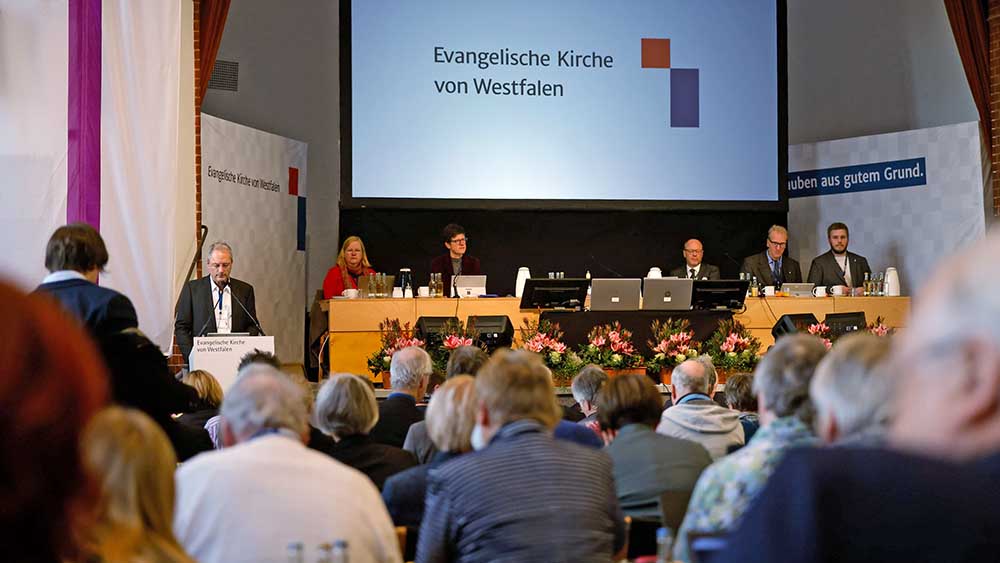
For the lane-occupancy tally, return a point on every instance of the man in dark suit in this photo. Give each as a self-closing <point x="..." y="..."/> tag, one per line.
<point x="215" y="303"/>
<point x="410" y="371"/>
<point x="74" y="256"/>
<point x="837" y="266"/>
<point x="935" y="498"/>
<point x="772" y="267"/>
<point x="693" y="267"/>
<point x="455" y="261"/>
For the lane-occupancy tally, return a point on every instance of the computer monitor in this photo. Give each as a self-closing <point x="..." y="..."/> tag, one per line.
<point x="615" y="294"/>
<point x="547" y="293"/>
<point x="666" y="294"/>
<point x="469" y="286"/>
<point x="719" y="294"/>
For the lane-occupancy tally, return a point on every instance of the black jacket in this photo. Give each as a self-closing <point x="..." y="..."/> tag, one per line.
<point x="194" y="311"/>
<point x="377" y="461"/>
<point x="101" y="310"/>
<point x="395" y="415"/>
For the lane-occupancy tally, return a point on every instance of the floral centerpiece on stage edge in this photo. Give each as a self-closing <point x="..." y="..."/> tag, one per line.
<point x="610" y="346"/>
<point x="673" y="342"/>
<point x="879" y="328"/>
<point x="453" y="334"/>
<point x="544" y="338"/>
<point x="733" y="348"/>
<point x="395" y="336"/>
<point x="821" y="331"/>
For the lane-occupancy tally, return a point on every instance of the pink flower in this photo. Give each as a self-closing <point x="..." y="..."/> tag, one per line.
<point x="598" y="341"/>
<point x="557" y="346"/>
<point x="614" y="336"/>
<point x="453" y="341"/>
<point x="879" y="330"/>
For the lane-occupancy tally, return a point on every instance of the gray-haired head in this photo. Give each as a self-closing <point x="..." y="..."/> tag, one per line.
<point x="221" y="246"/>
<point x="711" y="377"/>
<point x="263" y="399"/>
<point x="852" y="389"/>
<point x="345" y="406"/>
<point x="465" y="360"/>
<point x="782" y="377"/>
<point x="587" y="383"/>
<point x="410" y="368"/>
<point x="690" y="377"/>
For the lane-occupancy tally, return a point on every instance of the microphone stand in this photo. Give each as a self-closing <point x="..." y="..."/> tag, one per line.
<point x="212" y="316"/>
<point x="454" y="279"/>
<point x="256" y="324"/>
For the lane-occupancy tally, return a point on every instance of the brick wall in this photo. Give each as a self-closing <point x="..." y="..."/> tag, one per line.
<point x="994" y="38"/>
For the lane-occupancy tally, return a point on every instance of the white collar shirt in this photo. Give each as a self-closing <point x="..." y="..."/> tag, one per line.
<point x="223" y="313"/>
<point x="697" y="270"/>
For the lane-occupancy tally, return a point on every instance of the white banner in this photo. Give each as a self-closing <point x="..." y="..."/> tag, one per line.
<point x="253" y="197"/>
<point x="909" y="198"/>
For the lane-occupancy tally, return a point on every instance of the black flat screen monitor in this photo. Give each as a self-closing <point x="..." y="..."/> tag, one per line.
<point x="547" y="293"/>
<point x="719" y="294"/>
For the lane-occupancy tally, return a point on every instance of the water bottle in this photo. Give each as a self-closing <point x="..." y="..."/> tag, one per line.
<point x="754" y="287"/>
<point x="664" y="545"/>
<point x="339" y="554"/>
<point x="881" y="285"/>
<point x="867" y="285"/>
<point x="325" y="553"/>
<point x="295" y="552"/>
<point x="588" y="282"/>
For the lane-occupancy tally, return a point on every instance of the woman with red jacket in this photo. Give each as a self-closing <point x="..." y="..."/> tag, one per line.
<point x="352" y="263"/>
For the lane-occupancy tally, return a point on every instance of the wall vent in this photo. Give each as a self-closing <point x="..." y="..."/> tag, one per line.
<point x="225" y="76"/>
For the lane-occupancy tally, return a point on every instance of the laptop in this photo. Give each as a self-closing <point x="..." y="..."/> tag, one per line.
<point x="615" y="294"/>
<point x="470" y="286"/>
<point x="666" y="294"/>
<point x="798" y="289"/>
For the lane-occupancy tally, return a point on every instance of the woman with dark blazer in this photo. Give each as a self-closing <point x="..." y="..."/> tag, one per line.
<point x="455" y="261"/>
<point x="346" y="411"/>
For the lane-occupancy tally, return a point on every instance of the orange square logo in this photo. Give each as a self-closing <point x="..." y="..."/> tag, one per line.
<point x="655" y="53"/>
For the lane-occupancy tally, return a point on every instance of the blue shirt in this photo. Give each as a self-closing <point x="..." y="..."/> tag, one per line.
<point x="771" y="261"/>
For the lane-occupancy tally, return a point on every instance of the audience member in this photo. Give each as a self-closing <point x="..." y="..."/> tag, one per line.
<point x="740" y="398"/>
<point x="140" y="378"/>
<point x="511" y="498"/>
<point x="450" y="418"/>
<point x="585" y="386"/>
<point x="934" y="498"/>
<point x="695" y="416"/>
<point x="852" y="391"/>
<point x="131" y="459"/>
<point x="74" y="256"/>
<point x="409" y="372"/>
<point x="209" y="398"/>
<point x="318" y="440"/>
<point x="646" y="464"/>
<point x="252" y="358"/>
<point x="346" y="410"/>
<point x="266" y="489"/>
<point x="727" y="487"/>
<point x="352" y="264"/>
<point x="52" y="383"/>
<point x="464" y="360"/>
<point x="772" y="267"/>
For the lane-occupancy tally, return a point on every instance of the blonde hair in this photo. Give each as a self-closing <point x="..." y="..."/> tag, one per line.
<point x="345" y="406"/>
<point x="452" y="414"/>
<point x="132" y="461"/>
<point x="516" y="385"/>
<point x="206" y="385"/>
<point x="342" y="262"/>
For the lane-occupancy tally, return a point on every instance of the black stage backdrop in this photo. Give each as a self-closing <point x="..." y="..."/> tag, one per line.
<point x="608" y="243"/>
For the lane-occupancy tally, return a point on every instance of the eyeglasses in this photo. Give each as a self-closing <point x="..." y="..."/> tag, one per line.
<point x="694" y="251"/>
<point x="459" y="241"/>
<point x="778" y="244"/>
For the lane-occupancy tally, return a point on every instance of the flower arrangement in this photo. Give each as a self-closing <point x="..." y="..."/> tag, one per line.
<point x="395" y="336"/>
<point x="822" y="331"/>
<point x="544" y="338"/>
<point x="673" y="342"/>
<point x="610" y="346"/>
<point x="732" y="347"/>
<point x="879" y="328"/>
<point x="453" y="334"/>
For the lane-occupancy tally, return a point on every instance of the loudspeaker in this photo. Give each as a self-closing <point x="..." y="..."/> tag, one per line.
<point x="429" y="329"/>
<point x="842" y="323"/>
<point x="494" y="331"/>
<point x="789" y="324"/>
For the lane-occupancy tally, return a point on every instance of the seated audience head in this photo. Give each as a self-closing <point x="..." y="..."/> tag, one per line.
<point x="693" y="253"/>
<point x="465" y="360"/>
<point x="711" y="377"/>
<point x="51" y="383"/>
<point x="353" y="256"/>
<point x="455" y="240"/>
<point x="515" y="385"/>
<point x="345" y="406"/>
<point x="739" y="393"/>
<point x="130" y="457"/>
<point x="947" y="361"/>
<point x="140" y="376"/>
<point x="259" y="357"/>
<point x="781" y="380"/>
<point x="777" y="241"/>
<point x="410" y="370"/>
<point x="208" y="388"/>
<point x="452" y="415"/>
<point x="78" y="247"/>
<point x="851" y="389"/>
<point x="629" y="399"/>
<point x="220" y="262"/>
<point x="688" y="377"/>
<point x="585" y="386"/>
<point x="262" y="401"/>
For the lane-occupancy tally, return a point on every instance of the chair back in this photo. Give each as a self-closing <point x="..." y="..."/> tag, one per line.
<point x="673" y="507"/>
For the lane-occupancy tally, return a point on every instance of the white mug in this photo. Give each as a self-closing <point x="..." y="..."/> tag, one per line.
<point x="837" y="290"/>
<point x="769" y="291"/>
<point x="819" y="291"/>
<point x="397" y="292"/>
<point x="654" y="272"/>
<point x="350" y="293"/>
<point x="423" y="291"/>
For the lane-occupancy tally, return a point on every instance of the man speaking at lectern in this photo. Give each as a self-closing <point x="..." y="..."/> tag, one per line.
<point x="216" y="303"/>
